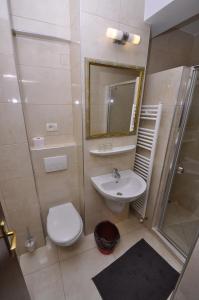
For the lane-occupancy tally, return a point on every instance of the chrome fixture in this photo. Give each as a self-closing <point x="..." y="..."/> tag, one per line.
<point x="121" y="37"/>
<point x="180" y="170"/>
<point x="116" y="173"/>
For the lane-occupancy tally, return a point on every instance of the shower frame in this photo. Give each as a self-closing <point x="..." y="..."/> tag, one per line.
<point x="172" y="159"/>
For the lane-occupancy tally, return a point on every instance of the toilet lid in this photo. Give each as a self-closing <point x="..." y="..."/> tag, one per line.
<point x="63" y="223"/>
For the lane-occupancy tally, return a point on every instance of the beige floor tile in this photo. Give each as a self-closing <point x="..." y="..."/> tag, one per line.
<point x="79" y="263"/>
<point x="128" y="225"/>
<point x="85" y="243"/>
<point x="43" y="257"/>
<point x="176" y="214"/>
<point x="78" y="271"/>
<point x="127" y="241"/>
<point x="46" y="284"/>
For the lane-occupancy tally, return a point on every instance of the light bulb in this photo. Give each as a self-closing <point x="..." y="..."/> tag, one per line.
<point x="114" y="34"/>
<point x="121" y="37"/>
<point x="134" y="39"/>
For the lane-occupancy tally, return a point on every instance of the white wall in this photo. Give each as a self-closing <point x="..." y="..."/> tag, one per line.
<point x="174" y="13"/>
<point x="169" y="50"/>
<point x="152" y="7"/>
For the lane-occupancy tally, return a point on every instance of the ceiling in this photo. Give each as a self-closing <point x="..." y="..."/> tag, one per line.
<point x="191" y="28"/>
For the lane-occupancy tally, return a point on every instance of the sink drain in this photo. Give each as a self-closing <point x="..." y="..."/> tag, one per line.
<point x="119" y="194"/>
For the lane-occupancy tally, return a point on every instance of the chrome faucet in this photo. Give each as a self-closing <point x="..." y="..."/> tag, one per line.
<point x="116" y="173"/>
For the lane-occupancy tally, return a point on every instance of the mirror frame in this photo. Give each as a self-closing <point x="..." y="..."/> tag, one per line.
<point x="88" y="63"/>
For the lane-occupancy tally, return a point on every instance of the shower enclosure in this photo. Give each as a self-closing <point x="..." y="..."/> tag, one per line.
<point x="179" y="218"/>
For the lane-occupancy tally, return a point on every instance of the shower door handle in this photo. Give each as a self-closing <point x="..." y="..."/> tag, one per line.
<point x="180" y="170"/>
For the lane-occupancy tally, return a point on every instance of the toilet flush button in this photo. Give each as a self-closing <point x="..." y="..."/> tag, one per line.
<point x="55" y="163"/>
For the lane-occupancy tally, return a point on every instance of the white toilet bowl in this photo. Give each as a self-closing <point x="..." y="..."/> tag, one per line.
<point x="64" y="224"/>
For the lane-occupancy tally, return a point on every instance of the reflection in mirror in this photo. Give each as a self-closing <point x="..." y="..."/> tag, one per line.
<point x="113" y="97"/>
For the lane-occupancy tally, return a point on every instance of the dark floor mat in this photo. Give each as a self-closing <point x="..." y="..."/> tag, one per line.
<point x="139" y="274"/>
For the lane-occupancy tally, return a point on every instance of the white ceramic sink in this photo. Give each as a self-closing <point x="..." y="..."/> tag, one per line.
<point x="127" y="188"/>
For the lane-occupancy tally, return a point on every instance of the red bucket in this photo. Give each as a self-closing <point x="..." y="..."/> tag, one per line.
<point x="106" y="236"/>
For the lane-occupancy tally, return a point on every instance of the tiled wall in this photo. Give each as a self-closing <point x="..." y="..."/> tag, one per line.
<point x="17" y="189"/>
<point x="50" y="84"/>
<point x="96" y="16"/>
<point x="76" y="90"/>
<point x="44" y="67"/>
<point x="47" y="17"/>
<point x="172" y="49"/>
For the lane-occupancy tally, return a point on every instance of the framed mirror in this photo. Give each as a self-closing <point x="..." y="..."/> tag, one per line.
<point x="113" y="94"/>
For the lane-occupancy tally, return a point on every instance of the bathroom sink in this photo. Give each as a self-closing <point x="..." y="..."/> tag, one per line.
<point x="127" y="188"/>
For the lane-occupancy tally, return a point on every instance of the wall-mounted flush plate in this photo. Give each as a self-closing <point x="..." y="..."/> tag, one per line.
<point x="55" y="163"/>
<point x="51" y="127"/>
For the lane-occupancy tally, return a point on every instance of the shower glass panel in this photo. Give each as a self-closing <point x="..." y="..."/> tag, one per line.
<point x="180" y="222"/>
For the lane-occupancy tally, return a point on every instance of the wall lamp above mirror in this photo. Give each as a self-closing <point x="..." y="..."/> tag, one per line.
<point x="122" y="37"/>
<point x="113" y="97"/>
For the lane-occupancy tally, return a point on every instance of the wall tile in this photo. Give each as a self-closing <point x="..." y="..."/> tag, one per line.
<point x="108" y="9"/>
<point x="45" y="85"/>
<point x="38" y="115"/>
<point x="193" y="58"/>
<point x="96" y="44"/>
<point x="6" y="46"/>
<point x="132" y="13"/>
<point x="166" y="85"/>
<point x="12" y="129"/>
<point x="183" y="40"/>
<point x="42" y="53"/>
<point x="48" y="11"/>
<point x="134" y="54"/>
<point x="9" y="90"/>
<point x="55" y="189"/>
<point x="165" y="55"/>
<point x="22" y="209"/>
<point x="40" y="27"/>
<point x="14" y="161"/>
<point x="58" y="140"/>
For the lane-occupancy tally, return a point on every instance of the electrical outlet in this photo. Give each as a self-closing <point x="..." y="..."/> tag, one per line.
<point x="51" y="127"/>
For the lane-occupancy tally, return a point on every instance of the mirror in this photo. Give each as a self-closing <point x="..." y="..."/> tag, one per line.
<point x="113" y="95"/>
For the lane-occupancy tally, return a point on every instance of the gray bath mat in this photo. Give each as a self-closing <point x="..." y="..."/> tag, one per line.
<point x="139" y="274"/>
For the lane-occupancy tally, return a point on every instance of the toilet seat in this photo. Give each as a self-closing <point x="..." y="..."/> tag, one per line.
<point x="64" y="224"/>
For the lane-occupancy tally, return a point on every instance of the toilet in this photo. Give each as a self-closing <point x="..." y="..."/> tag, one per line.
<point x="64" y="224"/>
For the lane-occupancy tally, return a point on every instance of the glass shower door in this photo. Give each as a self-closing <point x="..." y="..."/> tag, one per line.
<point x="180" y="222"/>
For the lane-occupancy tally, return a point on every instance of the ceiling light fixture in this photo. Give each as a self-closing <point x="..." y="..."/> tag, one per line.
<point x="122" y="37"/>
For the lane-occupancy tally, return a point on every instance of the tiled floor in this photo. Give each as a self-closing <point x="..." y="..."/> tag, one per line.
<point x="181" y="225"/>
<point x="54" y="273"/>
